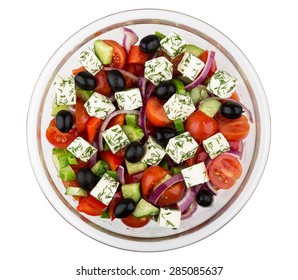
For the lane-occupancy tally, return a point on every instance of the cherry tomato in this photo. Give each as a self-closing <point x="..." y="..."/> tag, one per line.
<point x="59" y="139"/>
<point x="82" y="117"/>
<point x="116" y="198"/>
<point x="201" y="126"/>
<point x="119" y="54"/>
<point x="224" y="171"/>
<point x="172" y="195"/>
<point x="137" y="56"/>
<point x="91" y="206"/>
<point x="102" y="85"/>
<point x="156" y="113"/>
<point x="134" y="222"/>
<point x="233" y="129"/>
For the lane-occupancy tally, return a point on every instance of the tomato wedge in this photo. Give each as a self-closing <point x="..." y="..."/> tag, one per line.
<point x="116" y="198"/>
<point x="102" y="85"/>
<point x="91" y="206"/>
<point x="119" y="54"/>
<point x="82" y="117"/>
<point x="136" y="56"/>
<point x="156" y="113"/>
<point x="134" y="222"/>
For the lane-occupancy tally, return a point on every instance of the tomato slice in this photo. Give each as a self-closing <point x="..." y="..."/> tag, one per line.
<point x="129" y="83"/>
<point x="111" y="159"/>
<point x="91" y="206"/>
<point x="136" y="56"/>
<point x="93" y="127"/>
<point x="82" y="117"/>
<point x="224" y="171"/>
<point x="102" y="85"/>
<point x="59" y="139"/>
<point x="119" y="54"/>
<point x="116" y="198"/>
<point x="156" y="113"/>
<point x="134" y="222"/>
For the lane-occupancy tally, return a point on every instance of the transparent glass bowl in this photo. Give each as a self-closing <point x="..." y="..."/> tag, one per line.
<point x="227" y="203"/>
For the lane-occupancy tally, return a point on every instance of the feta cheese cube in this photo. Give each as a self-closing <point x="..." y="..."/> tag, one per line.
<point x="90" y="61"/>
<point x="222" y="84"/>
<point x="115" y="138"/>
<point x="195" y="175"/>
<point x="105" y="189"/>
<point x="169" y="218"/>
<point x="65" y="90"/>
<point x="190" y="66"/>
<point x="99" y="106"/>
<point x="181" y="147"/>
<point x="81" y="149"/>
<point x="129" y="99"/>
<point x="158" y="69"/>
<point x="173" y="44"/>
<point x="179" y="107"/>
<point x="216" y="145"/>
<point x="154" y="153"/>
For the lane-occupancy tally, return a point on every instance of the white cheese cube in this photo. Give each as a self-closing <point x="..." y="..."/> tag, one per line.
<point x="129" y="99"/>
<point x="158" y="69"/>
<point x="154" y="153"/>
<point x="179" y="107"/>
<point x="115" y="138"/>
<point x="90" y="61"/>
<point x="195" y="175"/>
<point x="173" y="44"/>
<point x="169" y="218"/>
<point x="222" y="84"/>
<point x="81" y="149"/>
<point x="105" y="189"/>
<point x="181" y="147"/>
<point x="216" y="145"/>
<point x="65" y="90"/>
<point x="190" y="66"/>
<point x="99" y="106"/>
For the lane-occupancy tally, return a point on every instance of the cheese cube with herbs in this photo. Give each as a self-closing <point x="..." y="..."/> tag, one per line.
<point x="169" y="218"/>
<point x="105" y="189"/>
<point x="81" y="149"/>
<point x="129" y="99"/>
<point x="190" y="66"/>
<point x="216" y="145"/>
<point x="154" y="153"/>
<point x="115" y="138"/>
<point x="182" y="147"/>
<point x="65" y="90"/>
<point x="158" y="69"/>
<point x="222" y="84"/>
<point x="179" y="107"/>
<point x="90" y="61"/>
<point x="99" y="106"/>
<point x="173" y="44"/>
<point x="195" y="175"/>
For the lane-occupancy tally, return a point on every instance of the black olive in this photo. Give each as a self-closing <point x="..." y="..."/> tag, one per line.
<point x="124" y="208"/>
<point x="64" y="121"/>
<point x="134" y="152"/>
<point x="86" y="178"/>
<point x="204" y="198"/>
<point x="163" y="135"/>
<point x="149" y="44"/>
<point x="85" y="80"/>
<point x="231" y="110"/>
<point x="164" y="90"/>
<point x="116" y="80"/>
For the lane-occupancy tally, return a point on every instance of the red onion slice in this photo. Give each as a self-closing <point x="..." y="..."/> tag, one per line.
<point x="187" y="199"/>
<point x="189" y="211"/>
<point x="120" y="171"/>
<point x="129" y="38"/>
<point x="124" y="72"/>
<point x="142" y="85"/>
<point x="209" y="186"/>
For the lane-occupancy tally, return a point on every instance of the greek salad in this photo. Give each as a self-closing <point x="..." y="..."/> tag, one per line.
<point x="148" y="129"/>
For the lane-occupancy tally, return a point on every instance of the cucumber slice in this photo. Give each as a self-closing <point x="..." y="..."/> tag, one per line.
<point x="131" y="119"/>
<point x="113" y="174"/>
<point x="180" y="88"/>
<point x="83" y="94"/>
<point x="198" y="93"/>
<point x="56" y="108"/>
<point x="70" y="157"/>
<point x="103" y="51"/>
<point x="60" y="161"/>
<point x="67" y="173"/>
<point x="76" y="191"/>
<point x="194" y="50"/>
<point x="131" y="191"/>
<point x="133" y="168"/>
<point x="159" y="35"/>
<point x="100" y="168"/>
<point x="179" y="126"/>
<point x="134" y="134"/>
<point x="210" y="107"/>
<point x="144" y="209"/>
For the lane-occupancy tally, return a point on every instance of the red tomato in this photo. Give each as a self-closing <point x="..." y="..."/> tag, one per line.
<point x="93" y="127"/>
<point x="224" y="171"/>
<point x="57" y="138"/>
<point x="235" y="96"/>
<point x="136" y="56"/>
<point x="102" y="85"/>
<point x="139" y="69"/>
<point x="111" y="159"/>
<point x="116" y="198"/>
<point x="172" y="195"/>
<point x="119" y="119"/>
<point x="119" y="54"/>
<point x="201" y="155"/>
<point x="133" y="178"/>
<point x="129" y="83"/>
<point x="78" y="70"/>
<point x="82" y="117"/>
<point x="91" y="206"/>
<point x="77" y="167"/>
<point x="156" y="113"/>
<point x="134" y="222"/>
<point x="200" y="126"/>
<point x="73" y="183"/>
<point x="213" y="68"/>
<point x="233" y="129"/>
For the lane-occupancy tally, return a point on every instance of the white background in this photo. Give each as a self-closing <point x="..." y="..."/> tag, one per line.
<point x="260" y="242"/>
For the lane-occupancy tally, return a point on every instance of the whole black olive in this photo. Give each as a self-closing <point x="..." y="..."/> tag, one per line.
<point x="163" y="135"/>
<point x="85" y="80"/>
<point x="164" y="90"/>
<point x="116" y="80"/>
<point x="86" y="178"/>
<point x="231" y="110"/>
<point x="124" y="208"/>
<point x="64" y="121"/>
<point x="204" y="198"/>
<point x="134" y="152"/>
<point x="149" y="44"/>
